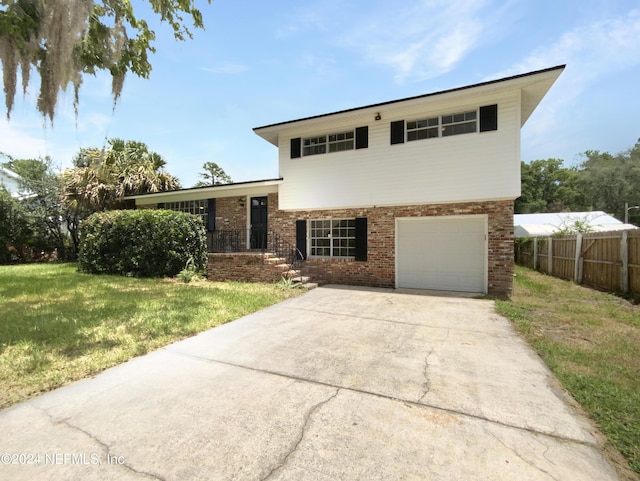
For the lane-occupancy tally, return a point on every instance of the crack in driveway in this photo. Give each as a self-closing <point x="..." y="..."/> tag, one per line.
<point x="425" y="370"/>
<point x="105" y="446"/>
<point x="307" y="420"/>
<point x="519" y="456"/>
<point x="425" y="373"/>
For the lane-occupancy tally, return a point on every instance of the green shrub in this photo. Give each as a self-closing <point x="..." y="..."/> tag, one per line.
<point x="190" y="272"/>
<point x="142" y="243"/>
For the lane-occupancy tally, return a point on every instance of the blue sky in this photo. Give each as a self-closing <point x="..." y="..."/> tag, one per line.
<point x="261" y="62"/>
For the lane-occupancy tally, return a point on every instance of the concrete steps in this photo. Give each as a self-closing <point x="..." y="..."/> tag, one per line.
<point x="295" y="276"/>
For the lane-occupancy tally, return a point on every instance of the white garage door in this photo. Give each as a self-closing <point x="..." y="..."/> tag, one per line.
<point x="443" y="253"/>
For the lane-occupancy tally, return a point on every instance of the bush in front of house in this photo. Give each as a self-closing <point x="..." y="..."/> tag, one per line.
<point x="142" y="243"/>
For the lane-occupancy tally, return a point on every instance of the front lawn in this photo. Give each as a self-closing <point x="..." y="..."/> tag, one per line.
<point x="591" y="341"/>
<point x="58" y="325"/>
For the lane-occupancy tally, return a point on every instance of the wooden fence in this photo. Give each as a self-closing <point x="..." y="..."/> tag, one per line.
<point x="605" y="260"/>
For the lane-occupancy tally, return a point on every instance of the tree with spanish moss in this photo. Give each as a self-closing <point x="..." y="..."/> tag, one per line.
<point x="63" y="40"/>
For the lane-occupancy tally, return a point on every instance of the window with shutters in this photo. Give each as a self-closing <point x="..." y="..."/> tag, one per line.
<point x="484" y="119"/>
<point x="355" y="139"/>
<point x="443" y="126"/>
<point x="322" y="144"/>
<point x="333" y="238"/>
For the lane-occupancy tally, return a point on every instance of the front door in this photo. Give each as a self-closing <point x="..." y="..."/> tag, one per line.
<point x="258" y="222"/>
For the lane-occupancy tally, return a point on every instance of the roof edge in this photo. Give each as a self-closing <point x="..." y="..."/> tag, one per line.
<point x="441" y="92"/>
<point x="208" y="188"/>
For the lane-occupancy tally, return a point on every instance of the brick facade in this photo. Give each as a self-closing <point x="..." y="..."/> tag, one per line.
<point x="243" y="267"/>
<point x="379" y="268"/>
<point x="231" y="213"/>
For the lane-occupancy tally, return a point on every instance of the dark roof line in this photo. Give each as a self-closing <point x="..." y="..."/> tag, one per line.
<point x="482" y="84"/>
<point x="207" y="187"/>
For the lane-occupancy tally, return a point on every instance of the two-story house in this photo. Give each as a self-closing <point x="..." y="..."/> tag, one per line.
<point x="411" y="193"/>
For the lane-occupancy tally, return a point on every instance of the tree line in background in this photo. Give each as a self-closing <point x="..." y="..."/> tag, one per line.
<point x="601" y="182"/>
<point x="47" y="216"/>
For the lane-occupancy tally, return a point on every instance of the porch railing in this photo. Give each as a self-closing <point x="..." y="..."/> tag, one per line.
<point x="229" y="240"/>
<point x="252" y="240"/>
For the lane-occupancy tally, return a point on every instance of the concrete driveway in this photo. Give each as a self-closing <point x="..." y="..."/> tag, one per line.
<point x="337" y="384"/>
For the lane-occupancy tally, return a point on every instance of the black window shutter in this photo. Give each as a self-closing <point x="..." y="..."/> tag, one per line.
<point x="160" y="205"/>
<point x="488" y="118"/>
<point x="301" y="239"/>
<point x="361" y="238"/>
<point x="362" y="137"/>
<point x="295" y="148"/>
<point x="211" y="215"/>
<point x="397" y="132"/>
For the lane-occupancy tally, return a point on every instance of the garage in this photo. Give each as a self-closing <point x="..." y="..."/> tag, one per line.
<point x="443" y="253"/>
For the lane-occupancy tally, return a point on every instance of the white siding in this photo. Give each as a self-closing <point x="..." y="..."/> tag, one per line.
<point x="468" y="167"/>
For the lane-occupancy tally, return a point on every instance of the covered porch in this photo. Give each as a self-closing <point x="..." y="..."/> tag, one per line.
<point x="241" y="241"/>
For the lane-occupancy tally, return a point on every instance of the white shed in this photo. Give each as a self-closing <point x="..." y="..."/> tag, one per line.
<point x="537" y="225"/>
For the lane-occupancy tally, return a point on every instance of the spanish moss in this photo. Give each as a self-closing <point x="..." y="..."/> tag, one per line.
<point x="62" y="40"/>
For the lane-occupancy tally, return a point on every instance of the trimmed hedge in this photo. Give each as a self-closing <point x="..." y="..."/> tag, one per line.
<point x="142" y="243"/>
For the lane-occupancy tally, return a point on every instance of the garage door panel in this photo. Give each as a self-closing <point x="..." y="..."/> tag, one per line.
<point x="443" y="254"/>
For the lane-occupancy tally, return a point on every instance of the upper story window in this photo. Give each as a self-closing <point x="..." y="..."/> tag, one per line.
<point x="462" y="123"/>
<point x="484" y="119"/>
<point x="315" y="145"/>
<point x="337" y="142"/>
<point x="423" y="129"/>
<point x="357" y="138"/>
<point x="442" y="126"/>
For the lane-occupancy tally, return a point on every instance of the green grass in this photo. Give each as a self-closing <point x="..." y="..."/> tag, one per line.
<point x="591" y="341"/>
<point x="58" y="325"/>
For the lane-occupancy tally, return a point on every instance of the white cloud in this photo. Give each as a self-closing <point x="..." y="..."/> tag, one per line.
<point x="23" y="140"/>
<point x="422" y="40"/>
<point x="14" y="141"/>
<point x="593" y="53"/>
<point x="95" y="122"/>
<point x="227" y="68"/>
<point x="322" y="16"/>
<point x="590" y="51"/>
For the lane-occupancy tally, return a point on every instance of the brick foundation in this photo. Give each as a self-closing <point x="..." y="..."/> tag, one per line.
<point x="243" y="267"/>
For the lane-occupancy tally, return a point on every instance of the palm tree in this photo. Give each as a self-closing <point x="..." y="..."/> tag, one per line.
<point x="102" y="178"/>
<point x="139" y="170"/>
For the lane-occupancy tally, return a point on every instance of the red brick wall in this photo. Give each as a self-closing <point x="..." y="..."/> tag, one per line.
<point x="243" y="267"/>
<point x="231" y="213"/>
<point x="379" y="269"/>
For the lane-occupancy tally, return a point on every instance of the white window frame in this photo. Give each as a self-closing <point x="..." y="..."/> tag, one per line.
<point x="460" y="119"/>
<point x="341" y="238"/>
<point x="423" y="129"/>
<point x="329" y="143"/>
<point x="445" y="125"/>
<point x="196" y="207"/>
